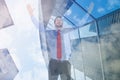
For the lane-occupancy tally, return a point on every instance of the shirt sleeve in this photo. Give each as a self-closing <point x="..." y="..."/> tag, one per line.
<point x="66" y="30"/>
<point x="37" y="24"/>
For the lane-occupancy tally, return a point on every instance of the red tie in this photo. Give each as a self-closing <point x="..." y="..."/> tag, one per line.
<point x="59" y="47"/>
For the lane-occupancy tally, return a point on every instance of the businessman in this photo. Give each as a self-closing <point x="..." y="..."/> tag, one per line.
<point x="58" y="58"/>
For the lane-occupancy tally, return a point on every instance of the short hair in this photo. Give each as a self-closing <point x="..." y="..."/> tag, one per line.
<point x="57" y="17"/>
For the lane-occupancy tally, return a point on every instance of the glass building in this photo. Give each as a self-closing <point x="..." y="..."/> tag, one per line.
<point x="5" y="18"/>
<point x="98" y="50"/>
<point x="94" y="44"/>
<point x="8" y="69"/>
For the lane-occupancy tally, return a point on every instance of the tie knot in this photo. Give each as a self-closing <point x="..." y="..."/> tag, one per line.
<point x="58" y="31"/>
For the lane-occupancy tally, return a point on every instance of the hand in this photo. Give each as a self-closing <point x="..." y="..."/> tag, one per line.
<point x="30" y="9"/>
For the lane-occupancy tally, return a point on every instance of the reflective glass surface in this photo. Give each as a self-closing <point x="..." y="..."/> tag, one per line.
<point x="91" y="58"/>
<point x="109" y="23"/>
<point x="88" y="30"/>
<point x="110" y="44"/>
<point x="77" y="15"/>
<point x="101" y="7"/>
<point x="94" y="46"/>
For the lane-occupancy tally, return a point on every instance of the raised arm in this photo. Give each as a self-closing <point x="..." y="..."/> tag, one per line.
<point x="37" y="24"/>
<point x="42" y="32"/>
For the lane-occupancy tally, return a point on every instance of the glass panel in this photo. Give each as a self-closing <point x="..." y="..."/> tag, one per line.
<point x="5" y="18"/>
<point x="77" y="15"/>
<point x="79" y="75"/>
<point x="6" y="65"/>
<point x="109" y="23"/>
<point x="67" y="43"/>
<point x="91" y="58"/>
<point x="101" y="7"/>
<point x="74" y="34"/>
<point x="88" y="30"/>
<point x="67" y="24"/>
<point x="76" y="59"/>
<point x="110" y="47"/>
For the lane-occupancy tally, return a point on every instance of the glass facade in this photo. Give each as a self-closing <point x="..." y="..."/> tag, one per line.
<point x="100" y="7"/>
<point x="5" y="18"/>
<point x="110" y="44"/>
<point x="95" y="53"/>
<point x="91" y="38"/>
<point x="6" y="65"/>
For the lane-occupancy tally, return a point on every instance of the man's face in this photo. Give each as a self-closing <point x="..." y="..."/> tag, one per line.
<point x="58" y="23"/>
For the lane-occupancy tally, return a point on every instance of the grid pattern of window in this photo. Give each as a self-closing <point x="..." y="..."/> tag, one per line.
<point x="96" y="54"/>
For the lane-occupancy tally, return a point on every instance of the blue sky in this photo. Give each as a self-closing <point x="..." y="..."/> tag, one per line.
<point x="100" y="8"/>
<point x="97" y="8"/>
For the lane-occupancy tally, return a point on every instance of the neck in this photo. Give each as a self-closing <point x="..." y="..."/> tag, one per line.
<point x="58" y="28"/>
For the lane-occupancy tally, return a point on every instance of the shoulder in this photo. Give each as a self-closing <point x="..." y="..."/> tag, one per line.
<point x="51" y="31"/>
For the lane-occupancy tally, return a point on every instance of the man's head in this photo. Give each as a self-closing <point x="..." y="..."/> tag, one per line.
<point x="58" y="22"/>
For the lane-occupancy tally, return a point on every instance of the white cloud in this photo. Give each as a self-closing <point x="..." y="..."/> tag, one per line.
<point x="83" y="20"/>
<point x="113" y="3"/>
<point x="5" y="39"/>
<point x="66" y="25"/>
<point x="76" y="18"/>
<point x="101" y="9"/>
<point x="68" y="12"/>
<point x="13" y="53"/>
<point x="36" y="53"/>
<point x="80" y="21"/>
<point x="36" y="73"/>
